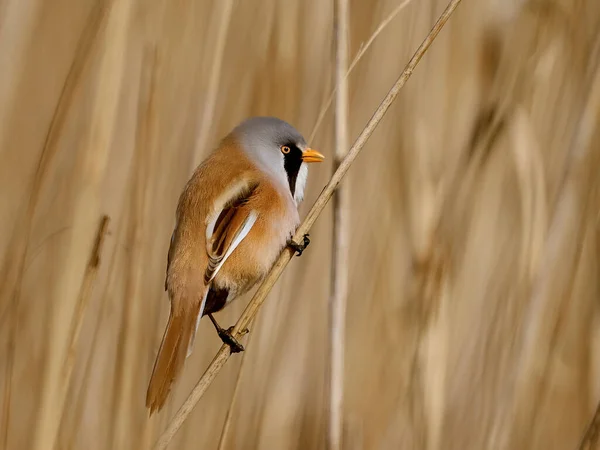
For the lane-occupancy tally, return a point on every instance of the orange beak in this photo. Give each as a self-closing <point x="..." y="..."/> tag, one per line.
<point x="309" y="155"/>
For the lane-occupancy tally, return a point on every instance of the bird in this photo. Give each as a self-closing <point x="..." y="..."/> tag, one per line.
<point x="235" y="215"/>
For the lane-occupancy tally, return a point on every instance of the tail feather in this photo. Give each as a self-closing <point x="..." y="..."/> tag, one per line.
<point x="181" y="328"/>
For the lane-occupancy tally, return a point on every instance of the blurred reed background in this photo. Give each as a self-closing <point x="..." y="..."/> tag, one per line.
<point x="473" y="315"/>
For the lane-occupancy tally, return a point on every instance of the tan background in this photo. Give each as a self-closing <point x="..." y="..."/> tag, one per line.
<point x="473" y="319"/>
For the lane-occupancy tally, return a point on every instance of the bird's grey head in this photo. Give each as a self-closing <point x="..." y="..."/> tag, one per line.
<point x="279" y="149"/>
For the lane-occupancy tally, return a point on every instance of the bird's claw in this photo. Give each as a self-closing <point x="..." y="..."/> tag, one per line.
<point x="227" y="338"/>
<point x="299" y="248"/>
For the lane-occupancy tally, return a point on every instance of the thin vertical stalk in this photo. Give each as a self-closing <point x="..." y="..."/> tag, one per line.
<point x="592" y="432"/>
<point x="339" y="261"/>
<point x="128" y="354"/>
<point x="361" y="52"/>
<point x="564" y="245"/>
<point x="19" y="248"/>
<point x="90" y="164"/>
<point x="83" y="300"/>
<point x="208" y="113"/>
<point x="77" y="397"/>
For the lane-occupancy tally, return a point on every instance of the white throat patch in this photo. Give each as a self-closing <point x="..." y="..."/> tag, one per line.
<point x="300" y="183"/>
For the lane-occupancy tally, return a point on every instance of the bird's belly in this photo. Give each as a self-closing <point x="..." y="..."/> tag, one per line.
<point x="251" y="260"/>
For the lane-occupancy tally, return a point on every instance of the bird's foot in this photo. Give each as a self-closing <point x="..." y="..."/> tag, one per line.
<point x="227" y="336"/>
<point x="299" y="248"/>
<point x="228" y="339"/>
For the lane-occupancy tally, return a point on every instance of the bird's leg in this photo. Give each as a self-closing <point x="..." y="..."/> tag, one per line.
<point x="226" y="336"/>
<point x="299" y="248"/>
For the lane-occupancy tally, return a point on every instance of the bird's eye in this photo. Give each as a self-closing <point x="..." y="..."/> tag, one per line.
<point x="285" y="149"/>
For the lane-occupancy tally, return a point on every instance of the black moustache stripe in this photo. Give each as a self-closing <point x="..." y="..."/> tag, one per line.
<point x="292" y="163"/>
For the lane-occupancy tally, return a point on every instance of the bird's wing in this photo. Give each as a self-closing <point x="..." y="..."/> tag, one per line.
<point x="223" y="234"/>
<point x="227" y="228"/>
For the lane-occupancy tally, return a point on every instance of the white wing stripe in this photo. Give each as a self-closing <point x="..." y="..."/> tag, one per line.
<point x="193" y="335"/>
<point x="241" y="234"/>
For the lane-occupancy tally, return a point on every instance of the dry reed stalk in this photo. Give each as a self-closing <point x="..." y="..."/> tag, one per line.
<point x="259" y="297"/>
<point x="152" y="151"/>
<point x="137" y="210"/>
<point x="531" y="183"/>
<point x="234" y="397"/>
<point x="19" y="248"/>
<point x="584" y="137"/>
<point x="76" y="397"/>
<point x="590" y="438"/>
<point x="226" y="7"/>
<point x="85" y="293"/>
<point x="431" y="278"/>
<point x="339" y="261"/>
<point x="19" y="243"/>
<point x="561" y="245"/>
<point x="128" y="349"/>
<point x="90" y="169"/>
<point x="17" y="29"/>
<point x="362" y="50"/>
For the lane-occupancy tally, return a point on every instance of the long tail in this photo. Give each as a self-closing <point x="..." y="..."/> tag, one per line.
<point x="181" y="329"/>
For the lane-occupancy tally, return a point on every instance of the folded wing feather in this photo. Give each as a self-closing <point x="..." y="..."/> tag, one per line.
<point x="223" y="234"/>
